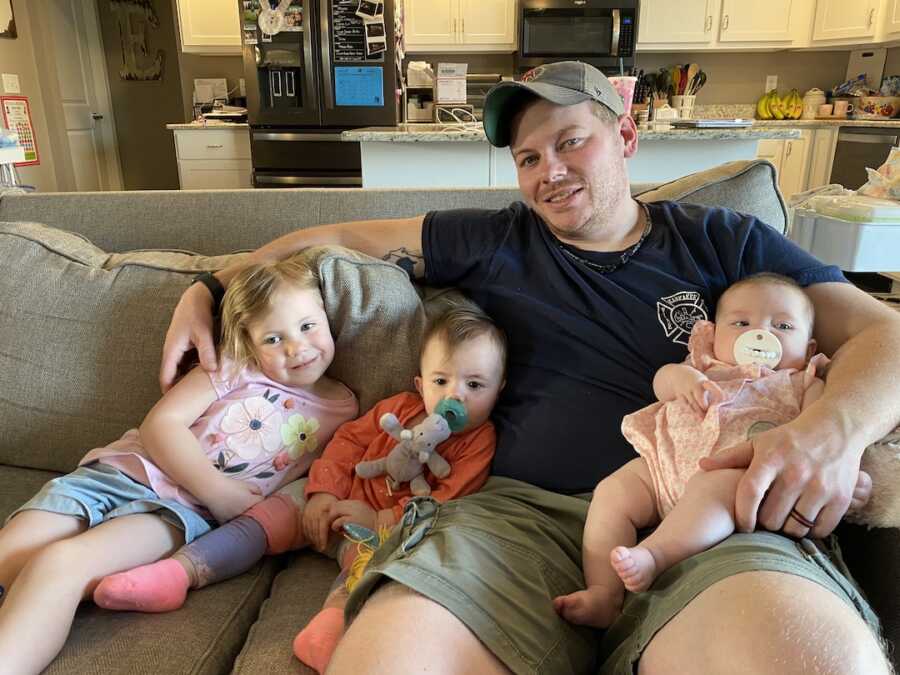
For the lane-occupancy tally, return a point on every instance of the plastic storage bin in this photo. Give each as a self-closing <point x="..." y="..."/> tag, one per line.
<point x="858" y="234"/>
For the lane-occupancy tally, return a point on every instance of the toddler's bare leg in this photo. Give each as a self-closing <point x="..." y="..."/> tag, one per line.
<point x="26" y="534"/>
<point x="622" y="504"/>
<point x="702" y="518"/>
<point x="41" y="604"/>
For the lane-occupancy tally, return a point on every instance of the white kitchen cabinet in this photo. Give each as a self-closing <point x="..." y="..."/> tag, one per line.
<point x="460" y="25"/>
<point x="771" y="150"/>
<point x="791" y="160"/>
<point x="821" y="156"/>
<point x="743" y="21"/>
<point x="688" y="22"/>
<point x="698" y="25"/>
<point x="209" y="26"/>
<point x="891" y="20"/>
<point x="213" y="158"/>
<point x="845" y="21"/>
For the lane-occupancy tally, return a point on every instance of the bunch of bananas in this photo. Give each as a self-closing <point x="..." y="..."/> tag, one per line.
<point x="773" y="107"/>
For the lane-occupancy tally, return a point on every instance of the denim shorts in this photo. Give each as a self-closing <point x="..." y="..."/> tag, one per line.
<point x="99" y="492"/>
<point x="496" y="559"/>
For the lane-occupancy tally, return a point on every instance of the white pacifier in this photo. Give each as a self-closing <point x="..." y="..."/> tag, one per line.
<point x="757" y="347"/>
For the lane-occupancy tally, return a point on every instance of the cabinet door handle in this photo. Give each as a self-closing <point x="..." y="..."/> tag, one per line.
<point x="454" y="26"/>
<point x="725" y="22"/>
<point x="790" y="148"/>
<point x="463" y="25"/>
<point x="871" y="17"/>
<point x="707" y="23"/>
<point x="213" y="147"/>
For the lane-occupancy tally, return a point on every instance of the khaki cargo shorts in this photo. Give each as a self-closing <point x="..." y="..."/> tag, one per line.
<point x="497" y="558"/>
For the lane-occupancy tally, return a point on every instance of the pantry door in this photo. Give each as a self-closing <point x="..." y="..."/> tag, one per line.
<point x="84" y="94"/>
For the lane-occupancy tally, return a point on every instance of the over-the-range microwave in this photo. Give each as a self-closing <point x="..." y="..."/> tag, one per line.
<point x="601" y="32"/>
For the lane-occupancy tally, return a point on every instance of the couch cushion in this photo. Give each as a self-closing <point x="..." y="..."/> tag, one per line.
<point x="297" y="595"/>
<point x="82" y="332"/>
<point x="750" y="187"/>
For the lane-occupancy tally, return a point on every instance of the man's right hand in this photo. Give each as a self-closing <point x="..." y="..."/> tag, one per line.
<point x="191" y="326"/>
<point x="317" y="519"/>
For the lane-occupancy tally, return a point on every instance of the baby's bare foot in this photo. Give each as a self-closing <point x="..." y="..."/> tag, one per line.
<point x="635" y="566"/>
<point x="597" y="606"/>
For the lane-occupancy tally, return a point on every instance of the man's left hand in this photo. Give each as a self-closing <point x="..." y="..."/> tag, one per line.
<point x="809" y="472"/>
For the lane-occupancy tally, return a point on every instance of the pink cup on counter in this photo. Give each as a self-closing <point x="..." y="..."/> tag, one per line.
<point x="625" y="86"/>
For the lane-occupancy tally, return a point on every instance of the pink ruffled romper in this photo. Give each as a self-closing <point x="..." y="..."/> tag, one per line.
<point x="672" y="438"/>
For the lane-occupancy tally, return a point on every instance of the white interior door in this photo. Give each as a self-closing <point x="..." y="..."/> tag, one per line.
<point x="84" y="92"/>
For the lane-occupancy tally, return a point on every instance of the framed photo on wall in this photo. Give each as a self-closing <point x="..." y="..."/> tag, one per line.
<point x="7" y="20"/>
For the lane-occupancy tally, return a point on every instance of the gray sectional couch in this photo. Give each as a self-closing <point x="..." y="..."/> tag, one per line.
<point x="82" y="320"/>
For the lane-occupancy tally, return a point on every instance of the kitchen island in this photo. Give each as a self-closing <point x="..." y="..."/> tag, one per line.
<point x="444" y="155"/>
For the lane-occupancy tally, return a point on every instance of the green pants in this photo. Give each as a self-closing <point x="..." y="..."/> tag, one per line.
<point x="496" y="559"/>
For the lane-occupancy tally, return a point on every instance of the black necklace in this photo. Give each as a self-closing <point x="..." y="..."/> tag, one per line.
<point x="626" y="254"/>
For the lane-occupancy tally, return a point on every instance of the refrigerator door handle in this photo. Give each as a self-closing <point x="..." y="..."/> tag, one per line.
<point x="325" y="48"/>
<point x="349" y="181"/>
<point x="309" y="97"/>
<point x="292" y="136"/>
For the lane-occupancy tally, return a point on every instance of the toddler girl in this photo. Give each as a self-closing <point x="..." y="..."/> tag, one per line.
<point x="462" y="358"/>
<point x="751" y="371"/>
<point x="212" y="447"/>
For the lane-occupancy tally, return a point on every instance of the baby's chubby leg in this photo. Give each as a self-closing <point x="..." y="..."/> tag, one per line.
<point x="623" y="503"/>
<point x="702" y="518"/>
<point x="272" y="526"/>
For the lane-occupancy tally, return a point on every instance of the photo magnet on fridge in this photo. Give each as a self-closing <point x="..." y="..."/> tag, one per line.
<point x="370" y="9"/>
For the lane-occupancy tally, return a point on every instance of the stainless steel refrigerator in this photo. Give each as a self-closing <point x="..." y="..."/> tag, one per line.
<point x="314" y="68"/>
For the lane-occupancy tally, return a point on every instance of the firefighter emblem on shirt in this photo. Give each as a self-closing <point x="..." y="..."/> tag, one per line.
<point x="679" y="312"/>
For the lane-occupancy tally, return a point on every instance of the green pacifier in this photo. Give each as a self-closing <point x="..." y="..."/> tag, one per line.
<point x="454" y="412"/>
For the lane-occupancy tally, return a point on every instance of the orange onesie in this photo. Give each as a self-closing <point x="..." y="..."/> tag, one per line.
<point x="469" y="455"/>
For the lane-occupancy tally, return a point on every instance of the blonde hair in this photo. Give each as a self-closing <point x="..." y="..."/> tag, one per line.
<point x="249" y="296"/>
<point x="604" y="114"/>
<point x="464" y="321"/>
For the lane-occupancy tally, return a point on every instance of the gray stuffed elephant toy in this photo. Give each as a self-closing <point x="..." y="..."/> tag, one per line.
<point x="415" y="448"/>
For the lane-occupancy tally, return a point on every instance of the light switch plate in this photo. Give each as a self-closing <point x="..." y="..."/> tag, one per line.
<point x="771" y="82"/>
<point x="11" y="83"/>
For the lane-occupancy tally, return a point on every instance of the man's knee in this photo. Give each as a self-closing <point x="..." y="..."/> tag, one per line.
<point x="767" y="622"/>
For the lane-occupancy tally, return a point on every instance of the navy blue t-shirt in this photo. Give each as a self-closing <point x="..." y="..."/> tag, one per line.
<point x="584" y="346"/>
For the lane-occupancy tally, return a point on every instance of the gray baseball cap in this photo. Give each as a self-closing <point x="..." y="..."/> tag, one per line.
<point x="564" y="83"/>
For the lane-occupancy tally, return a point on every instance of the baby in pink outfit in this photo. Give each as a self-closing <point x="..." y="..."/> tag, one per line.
<point x="753" y="370"/>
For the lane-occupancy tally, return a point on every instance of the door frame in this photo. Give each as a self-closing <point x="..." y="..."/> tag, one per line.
<point x="45" y="60"/>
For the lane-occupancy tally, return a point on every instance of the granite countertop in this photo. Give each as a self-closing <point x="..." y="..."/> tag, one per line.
<point x="425" y="133"/>
<point x="812" y="124"/>
<point x="208" y="125"/>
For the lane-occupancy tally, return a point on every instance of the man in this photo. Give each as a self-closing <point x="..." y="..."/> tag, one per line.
<point x="586" y="283"/>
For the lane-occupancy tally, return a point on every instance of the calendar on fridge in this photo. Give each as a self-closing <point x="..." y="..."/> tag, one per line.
<point x="17" y="117"/>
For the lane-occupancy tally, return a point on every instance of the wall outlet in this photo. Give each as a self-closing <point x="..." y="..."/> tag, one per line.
<point x="771" y="82"/>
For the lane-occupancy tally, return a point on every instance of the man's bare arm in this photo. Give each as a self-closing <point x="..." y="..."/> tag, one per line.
<point x="387" y="239"/>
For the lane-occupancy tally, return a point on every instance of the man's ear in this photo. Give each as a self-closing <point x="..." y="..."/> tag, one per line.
<point x="628" y="131"/>
<point x="418" y="382"/>
<point x="810" y="348"/>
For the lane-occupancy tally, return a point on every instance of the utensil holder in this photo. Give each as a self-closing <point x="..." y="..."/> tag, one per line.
<point x="684" y="105"/>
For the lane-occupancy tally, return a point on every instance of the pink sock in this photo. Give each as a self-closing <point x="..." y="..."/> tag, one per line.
<point x="315" y="644"/>
<point x="159" y="587"/>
